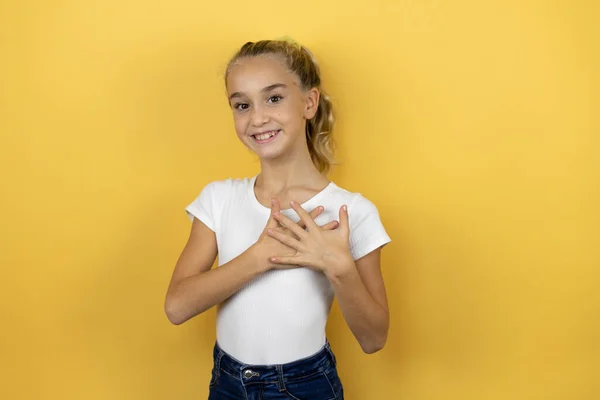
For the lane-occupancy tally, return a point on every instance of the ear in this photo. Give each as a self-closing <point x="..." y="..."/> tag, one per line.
<point x="311" y="102"/>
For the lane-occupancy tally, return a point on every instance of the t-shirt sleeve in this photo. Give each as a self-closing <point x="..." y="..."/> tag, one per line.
<point x="367" y="233"/>
<point x="203" y="207"/>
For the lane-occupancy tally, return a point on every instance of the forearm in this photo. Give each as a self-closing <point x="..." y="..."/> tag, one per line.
<point x="198" y="293"/>
<point x="368" y="320"/>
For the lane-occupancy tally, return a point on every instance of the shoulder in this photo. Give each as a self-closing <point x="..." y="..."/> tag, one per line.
<point x="367" y="232"/>
<point x="358" y="204"/>
<point x="216" y="197"/>
<point x="228" y="186"/>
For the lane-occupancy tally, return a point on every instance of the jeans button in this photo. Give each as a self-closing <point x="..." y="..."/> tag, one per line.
<point x="249" y="374"/>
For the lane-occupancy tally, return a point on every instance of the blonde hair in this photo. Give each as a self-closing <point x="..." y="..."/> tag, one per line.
<point x="299" y="60"/>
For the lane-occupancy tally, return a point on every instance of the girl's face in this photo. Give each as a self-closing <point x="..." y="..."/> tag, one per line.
<point x="269" y="106"/>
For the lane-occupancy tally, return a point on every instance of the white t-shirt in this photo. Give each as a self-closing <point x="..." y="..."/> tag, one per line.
<point x="280" y="316"/>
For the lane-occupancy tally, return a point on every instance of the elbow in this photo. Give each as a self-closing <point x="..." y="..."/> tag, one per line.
<point x="372" y="348"/>
<point x="172" y="311"/>
<point x="374" y="344"/>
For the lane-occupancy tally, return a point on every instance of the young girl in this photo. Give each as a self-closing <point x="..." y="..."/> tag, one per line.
<point x="283" y="256"/>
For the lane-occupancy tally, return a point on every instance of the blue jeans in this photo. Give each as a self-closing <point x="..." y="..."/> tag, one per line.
<point x="311" y="378"/>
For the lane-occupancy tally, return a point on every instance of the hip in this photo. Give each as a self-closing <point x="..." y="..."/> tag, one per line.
<point x="311" y="378"/>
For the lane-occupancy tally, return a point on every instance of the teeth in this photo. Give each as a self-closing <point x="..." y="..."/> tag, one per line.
<point x="265" y="136"/>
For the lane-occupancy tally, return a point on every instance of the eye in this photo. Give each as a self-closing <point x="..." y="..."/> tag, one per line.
<point x="241" y="106"/>
<point x="275" y="98"/>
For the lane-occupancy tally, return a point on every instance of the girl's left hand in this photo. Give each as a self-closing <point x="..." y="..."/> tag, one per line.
<point x="315" y="248"/>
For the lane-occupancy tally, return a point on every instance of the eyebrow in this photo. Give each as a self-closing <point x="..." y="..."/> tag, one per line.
<point x="264" y="90"/>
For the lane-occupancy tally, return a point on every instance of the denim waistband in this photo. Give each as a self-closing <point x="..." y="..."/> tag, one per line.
<point x="276" y="373"/>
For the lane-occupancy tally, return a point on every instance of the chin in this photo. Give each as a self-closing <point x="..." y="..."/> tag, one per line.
<point x="272" y="151"/>
<point x="268" y="154"/>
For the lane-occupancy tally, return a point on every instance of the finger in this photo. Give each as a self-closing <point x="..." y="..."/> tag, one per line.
<point x="274" y="209"/>
<point x="290" y="260"/>
<point x="344" y="224"/>
<point x="291" y="225"/>
<point x="308" y="222"/>
<point x="283" y="238"/>
<point x="330" y="225"/>
<point x="285" y="231"/>
<point x="313" y="214"/>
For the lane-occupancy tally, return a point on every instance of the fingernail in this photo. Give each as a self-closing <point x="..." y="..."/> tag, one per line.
<point x="270" y="230"/>
<point x="272" y="202"/>
<point x="320" y="208"/>
<point x="293" y="202"/>
<point x="345" y="208"/>
<point x="276" y="214"/>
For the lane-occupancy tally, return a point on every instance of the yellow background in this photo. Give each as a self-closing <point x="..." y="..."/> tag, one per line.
<point x="472" y="125"/>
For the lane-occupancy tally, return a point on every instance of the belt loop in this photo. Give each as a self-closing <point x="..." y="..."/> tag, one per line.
<point x="280" y="382"/>
<point x="220" y="354"/>
<point x="328" y="348"/>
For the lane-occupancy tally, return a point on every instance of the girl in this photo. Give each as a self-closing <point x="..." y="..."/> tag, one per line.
<point x="279" y="269"/>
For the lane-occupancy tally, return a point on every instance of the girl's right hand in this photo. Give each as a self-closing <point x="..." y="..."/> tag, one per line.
<point x="266" y="245"/>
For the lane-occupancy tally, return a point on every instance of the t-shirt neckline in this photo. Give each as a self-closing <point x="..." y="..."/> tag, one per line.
<point x="308" y="205"/>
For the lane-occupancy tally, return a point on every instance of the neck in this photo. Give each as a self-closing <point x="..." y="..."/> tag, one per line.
<point x="291" y="170"/>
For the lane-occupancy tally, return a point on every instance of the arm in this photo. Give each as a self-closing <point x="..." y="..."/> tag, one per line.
<point x="358" y="286"/>
<point x="194" y="287"/>
<point x="360" y="291"/>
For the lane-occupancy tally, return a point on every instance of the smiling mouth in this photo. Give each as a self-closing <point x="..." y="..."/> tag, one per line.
<point x="266" y="137"/>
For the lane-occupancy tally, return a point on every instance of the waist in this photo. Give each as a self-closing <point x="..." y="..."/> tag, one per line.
<point x="252" y="373"/>
<point x="278" y="318"/>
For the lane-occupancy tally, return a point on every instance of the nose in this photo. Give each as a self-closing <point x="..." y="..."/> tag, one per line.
<point x="259" y="116"/>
